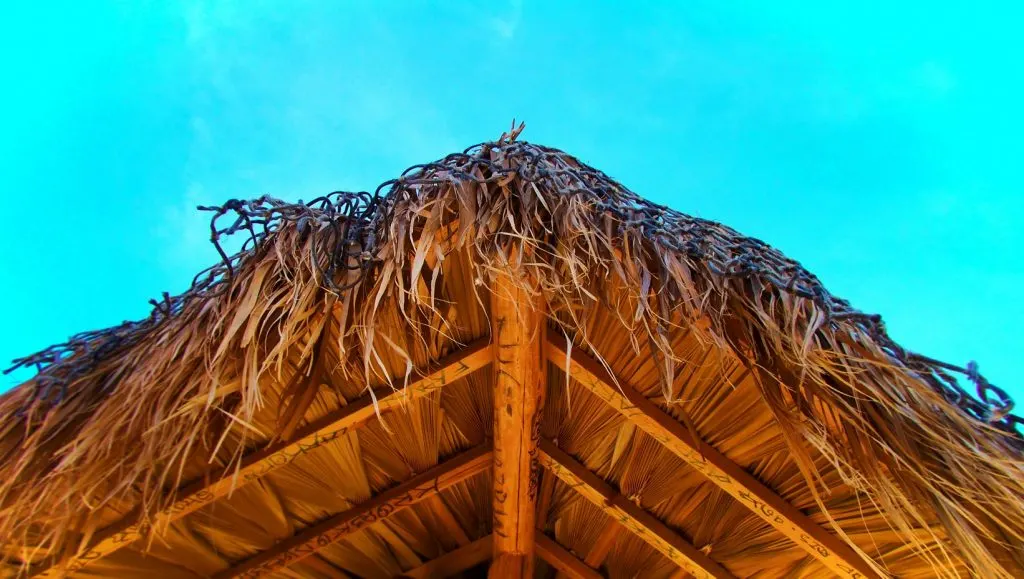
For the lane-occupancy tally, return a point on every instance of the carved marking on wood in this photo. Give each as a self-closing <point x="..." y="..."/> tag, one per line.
<point x="519" y="377"/>
<point x="330" y="531"/>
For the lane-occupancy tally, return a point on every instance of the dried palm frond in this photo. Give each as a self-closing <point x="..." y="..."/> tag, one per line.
<point x="354" y="290"/>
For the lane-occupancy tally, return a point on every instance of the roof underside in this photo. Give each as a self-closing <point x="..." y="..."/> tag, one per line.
<point x="739" y="356"/>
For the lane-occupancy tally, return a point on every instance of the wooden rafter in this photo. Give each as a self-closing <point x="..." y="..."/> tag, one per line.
<point x="324" y="567"/>
<point x="327" y="532"/>
<point x="261" y="462"/>
<point x="603" y="545"/>
<point x="547" y="492"/>
<point x="634" y="519"/>
<point x="443" y="515"/>
<point x="713" y="465"/>
<point x="518" y="339"/>
<point x="457" y="561"/>
<point x="560" y="558"/>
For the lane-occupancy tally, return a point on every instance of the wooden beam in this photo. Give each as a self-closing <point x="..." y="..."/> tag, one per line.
<point x="547" y="492"/>
<point x="603" y="545"/>
<point x="324" y="567"/>
<point x="518" y="337"/>
<point x="715" y="466"/>
<point x="455" y="561"/>
<point x="257" y="464"/>
<point x="558" y="557"/>
<point x="443" y="515"/>
<point x="633" y="518"/>
<point x="312" y="539"/>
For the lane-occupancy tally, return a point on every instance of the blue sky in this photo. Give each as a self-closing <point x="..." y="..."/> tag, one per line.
<point x="877" y="143"/>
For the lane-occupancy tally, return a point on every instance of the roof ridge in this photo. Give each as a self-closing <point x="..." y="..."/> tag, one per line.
<point x="361" y="215"/>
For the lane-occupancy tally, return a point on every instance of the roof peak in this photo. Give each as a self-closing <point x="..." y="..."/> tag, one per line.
<point x="360" y="220"/>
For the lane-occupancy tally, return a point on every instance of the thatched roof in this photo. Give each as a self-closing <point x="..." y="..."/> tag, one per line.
<point x="323" y="403"/>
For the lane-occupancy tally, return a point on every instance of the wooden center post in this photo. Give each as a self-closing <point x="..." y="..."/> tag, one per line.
<point x="517" y="333"/>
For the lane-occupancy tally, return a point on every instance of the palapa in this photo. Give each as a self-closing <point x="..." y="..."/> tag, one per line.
<point x="503" y="359"/>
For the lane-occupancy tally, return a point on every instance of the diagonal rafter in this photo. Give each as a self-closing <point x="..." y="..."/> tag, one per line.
<point x="716" y="467"/>
<point x="457" y="561"/>
<point x="634" y="519"/>
<point x="603" y="545"/>
<point x="444" y="517"/>
<point x="325" y="567"/>
<point x="321" y="535"/>
<point x="560" y="558"/>
<point x="261" y="462"/>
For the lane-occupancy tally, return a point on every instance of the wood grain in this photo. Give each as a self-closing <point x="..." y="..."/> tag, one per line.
<point x="631" y="517"/>
<point x="312" y="539"/>
<point x="518" y="337"/>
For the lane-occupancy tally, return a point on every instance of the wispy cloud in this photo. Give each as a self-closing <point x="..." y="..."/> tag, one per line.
<point x="507" y="24"/>
<point x="310" y="112"/>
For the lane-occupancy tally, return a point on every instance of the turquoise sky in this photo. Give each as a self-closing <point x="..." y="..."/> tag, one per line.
<point x="879" y="145"/>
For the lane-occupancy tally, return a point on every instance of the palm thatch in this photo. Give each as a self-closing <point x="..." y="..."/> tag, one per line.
<point x="343" y="306"/>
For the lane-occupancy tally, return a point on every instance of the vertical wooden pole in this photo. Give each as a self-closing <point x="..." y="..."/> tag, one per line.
<point x="517" y="332"/>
